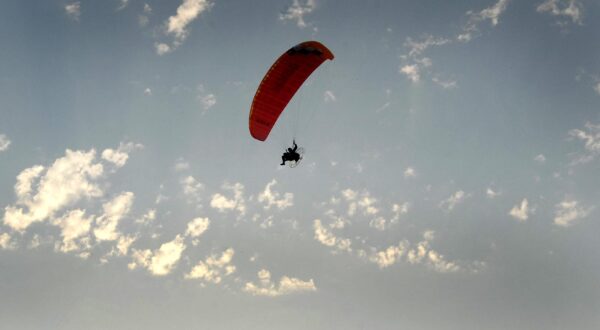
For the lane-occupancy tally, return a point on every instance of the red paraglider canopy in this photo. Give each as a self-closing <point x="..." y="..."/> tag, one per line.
<point x="281" y="82"/>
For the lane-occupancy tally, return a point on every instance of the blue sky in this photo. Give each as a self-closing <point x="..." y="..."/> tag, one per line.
<point x="450" y="178"/>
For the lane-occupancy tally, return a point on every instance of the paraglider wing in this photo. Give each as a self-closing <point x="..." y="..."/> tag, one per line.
<point x="281" y="82"/>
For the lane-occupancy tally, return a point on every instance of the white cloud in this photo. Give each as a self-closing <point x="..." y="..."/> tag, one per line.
<point x="144" y="19"/>
<point x="197" y="227"/>
<point x="148" y="91"/>
<point x="122" y="4"/>
<point x="520" y="212"/>
<point x="6" y="242"/>
<point x="123" y="245"/>
<point x="569" y="211"/>
<point x="328" y="96"/>
<point x="326" y="237"/>
<point x="410" y="172"/>
<point x="68" y="180"/>
<point x="422" y="253"/>
<point x="569" y="8"/>
<point x="4" y="142"/>
<point x="187" y="12"/>
<point x="446" y="84"/>
<point x="540" y="158"/>
<point x="492" y="14"/>
<point x="208" y="101"/>
<point x="399" y="210"/>
<point x="411" y="71"/>
<point x="120" y="156"/>
<point x="297" y="11"/>
<point x="114" y="211"/>
<point x="181" y="165"/>
<point x="272" y="198"/>
<point x="162" y="48"/>
<point x="162" y="261"/>
<point x="454" y="199"/>
<point x="590" y="135"/>
<point x="214" y="269"/>
<point x="416" y="48"/>
<point x="192" y="189"/>
<point x="75" y="227"/>
<point x="492" y="193"/>
<point x="73" y="10"/>
<point x="147" y="217"/>
<point x="223" y="204"/>
<point x="597" y="87"/>
<point x="286" y="285"/>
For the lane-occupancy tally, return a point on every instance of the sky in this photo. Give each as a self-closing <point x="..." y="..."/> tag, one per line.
<point x="449" y="180"/>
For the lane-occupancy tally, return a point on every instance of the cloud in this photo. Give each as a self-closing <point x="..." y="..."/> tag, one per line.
<point x="120" y="156"/>
<point x="411" y="71"/>
<point x="213" y="269"/>
<point x="197" y="227"/>
<point x="208" y="100"/>
<point x="492" y="14"/>
<point x="114" y="211"/>
<point x="73" y="10"/>
<point x="187" y="12"/>
<point x="328" y="96"/>
<point x="192" y="189"/>
<point x="422" y="253"/>
<point x="297" y="11"/>
<point x="6" y="242"/>
<point x="569" y="8"/>
<point x="75" y="227"/>
<point x="590" y="136"/>
<point x="416" y="48"/>
<point x="68" y="180"/>
<point x="122" y="4"/>
<point x="521" y="212"/>
<point x="162" y="48"/>
<point x="4" y="142"/>
<point x="569" y="211"/>
<point x="454" y="199"/>
<point x="446" y="84"/>
<point x="223" y="204"/>
<point x="286" y="285"/>
<point x="272" y="198"/>
<point x="326" y="237"/>
<point x="181" y="165"/>
<point x="143" y="19"/>
<point x="410" y="172"/>
<point x="490" y="193"/>
<point x="162" y="261"/>
<point x="540" y="158"/>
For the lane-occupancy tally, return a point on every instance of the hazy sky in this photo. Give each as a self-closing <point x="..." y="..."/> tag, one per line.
<point x="450" y="180"/>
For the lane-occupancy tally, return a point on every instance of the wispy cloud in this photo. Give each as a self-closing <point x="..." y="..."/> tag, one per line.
<point x="569" y="211"/>
<point x="73" y="10"/>
<point x="177" y="25"/>
<point x="297" y="11"/>
<point x="456" y="198"/>
<point x="521" y="211"/>
<point x="570" y="9"/>
<point x="162" y="261"/>
<point x="590" y="136"/>
<point x="68" y="180"/>
<point x="214" y="268"/>
<point x="223" y="204"/>
<point x="286" y="285"/>
<point x="271" y="198"/>
<point x="491" y="13"/>
<point x="4" y="142"/>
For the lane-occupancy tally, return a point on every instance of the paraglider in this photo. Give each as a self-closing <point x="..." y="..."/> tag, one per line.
<point x="279" y="85"/>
